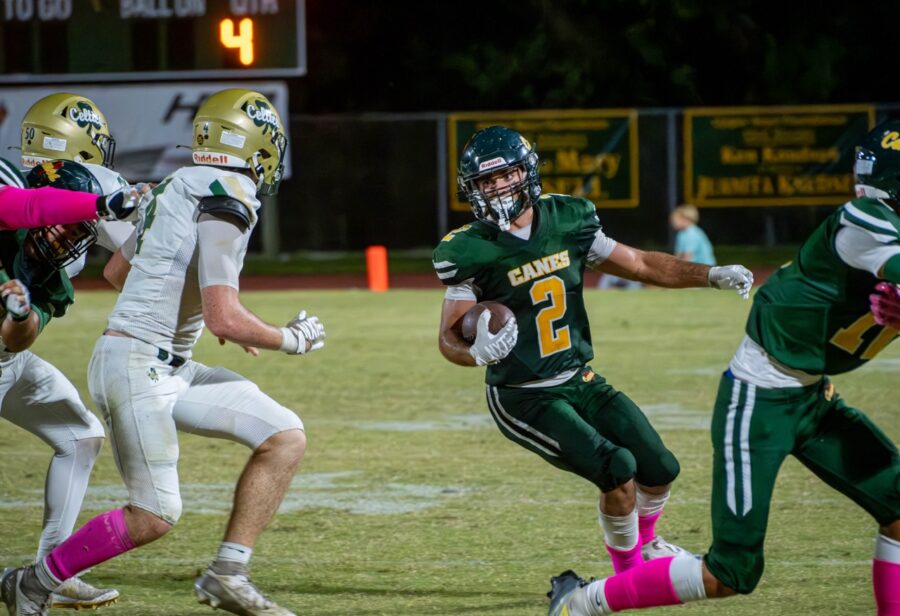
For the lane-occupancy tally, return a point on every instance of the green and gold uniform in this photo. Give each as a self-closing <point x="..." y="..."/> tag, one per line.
<point x="51" y="291"/>
<point x="811" y="316"/>
<point x="543" y="395"/>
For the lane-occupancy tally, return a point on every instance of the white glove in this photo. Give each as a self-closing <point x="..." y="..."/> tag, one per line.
<point x="490" y="348"/>
<point x="300" y="330"/>
<point x="122" y="204"/>
<point x="735" y="277"/>
<point x="16" y="300"/>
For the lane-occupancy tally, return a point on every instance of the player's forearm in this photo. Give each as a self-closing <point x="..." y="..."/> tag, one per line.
<point x="27" y="208"/>
<point x="242" y="327"/>
<point x="454" y="348"/>
<point x="19" y="335"/>
<point x="664" y="270"/>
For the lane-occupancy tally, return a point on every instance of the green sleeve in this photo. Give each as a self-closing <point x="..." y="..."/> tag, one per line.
<point x="588" y="225"/>
<point x="43" y="315"/>
<point x="891" y="269"/>
<point x="451" y="263"/>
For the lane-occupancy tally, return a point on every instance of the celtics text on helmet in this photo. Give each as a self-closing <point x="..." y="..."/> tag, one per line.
<point x="241" y="128"/>
<point x="487" y="152"/>
<point x="66" y="126"/>
<point x="877" y="166"/>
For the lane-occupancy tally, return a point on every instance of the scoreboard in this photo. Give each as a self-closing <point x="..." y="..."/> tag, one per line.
<point x="45" y="41"/>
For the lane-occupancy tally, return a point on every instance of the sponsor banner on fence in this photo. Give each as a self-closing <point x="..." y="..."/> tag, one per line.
<point x="750" y="156"/>
<point x="147" y="121"/>
<point x="591" y="154"/>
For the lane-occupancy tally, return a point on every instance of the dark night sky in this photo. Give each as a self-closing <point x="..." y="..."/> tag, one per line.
<point x="531" y="54"/>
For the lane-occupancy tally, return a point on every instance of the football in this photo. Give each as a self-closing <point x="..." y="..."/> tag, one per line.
<point x="500" y="314"/>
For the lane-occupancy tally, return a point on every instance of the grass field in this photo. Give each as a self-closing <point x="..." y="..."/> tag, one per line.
<point x="410" y="501"/>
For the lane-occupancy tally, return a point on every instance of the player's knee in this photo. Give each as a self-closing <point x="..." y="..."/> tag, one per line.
<point x="145" y="526"/>
<point x="289" y="445"/>
<point x="736" y="572"/>
<point x="89" y="448"/>
<point x="662" y="472"/>
<point x="619" y="469"/>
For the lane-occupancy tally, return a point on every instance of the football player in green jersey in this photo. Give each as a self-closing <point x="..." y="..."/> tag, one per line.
<point x="811" y="319"/>
<point x="529" y="252"/>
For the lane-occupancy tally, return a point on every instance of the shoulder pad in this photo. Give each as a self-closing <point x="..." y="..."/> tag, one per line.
<point x="224" y="205"/>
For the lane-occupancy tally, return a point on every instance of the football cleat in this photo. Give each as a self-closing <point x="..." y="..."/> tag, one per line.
<point x="235" y="594"/>
<point x="562" y="587"/>
<point x="660" y="548"/>
<point x="14" y="597"/>
<point x="77" y="594"/>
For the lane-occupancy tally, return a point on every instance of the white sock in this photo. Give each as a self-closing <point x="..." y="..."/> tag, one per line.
<point x="234" y="552"/>
<point x="887" y="549"/>
<point x="649" y="504"/>
<point x="686" y="573"/>
<point x="620" y="531"/>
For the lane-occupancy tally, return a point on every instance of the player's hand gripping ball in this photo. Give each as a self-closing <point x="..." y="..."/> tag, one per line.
<point x="500" y="314"/>
<point x="492" y="329"/>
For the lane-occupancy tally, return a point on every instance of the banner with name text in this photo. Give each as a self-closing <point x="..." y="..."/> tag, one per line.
<point x="757" y="156"/>
<point x="591" y="153"/>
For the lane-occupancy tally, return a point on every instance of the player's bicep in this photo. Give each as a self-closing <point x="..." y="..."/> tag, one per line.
<point x="222" y="245"/>
<point x="623" y="261"/>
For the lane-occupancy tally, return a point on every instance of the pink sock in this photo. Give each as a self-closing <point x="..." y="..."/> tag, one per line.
<point x="646" y="586"/>
<point x="647" y="527"/>
<point x="623" y="560"/>
<point x="886" y="580"/>
<point x="101" y="539"/>
<point x="25" y="209"/>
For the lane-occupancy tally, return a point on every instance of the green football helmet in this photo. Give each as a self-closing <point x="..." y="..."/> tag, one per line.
<point x="877" y="167"/>
<point x="59" y="245"/>
<point x="491" y="150"/>
<point x="241" y="128"/>
<point x="68" y="127"/>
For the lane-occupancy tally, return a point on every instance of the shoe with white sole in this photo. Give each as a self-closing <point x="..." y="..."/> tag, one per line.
<point x="660" y="548"/>
<point x="76" y="594"/>
<point x="235" y="594"/>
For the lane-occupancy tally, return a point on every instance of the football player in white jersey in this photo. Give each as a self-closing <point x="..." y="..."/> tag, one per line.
<point x="188" y="251"/>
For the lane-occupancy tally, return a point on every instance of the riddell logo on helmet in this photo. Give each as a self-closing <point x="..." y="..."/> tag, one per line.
<point x="491" y="164"/>
<point x="210" y="159"/>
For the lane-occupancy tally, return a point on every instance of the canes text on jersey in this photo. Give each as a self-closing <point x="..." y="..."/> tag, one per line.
<point x="538" y="268"/>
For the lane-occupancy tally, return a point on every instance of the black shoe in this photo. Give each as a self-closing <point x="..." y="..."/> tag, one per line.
<point x="561" y="589"/>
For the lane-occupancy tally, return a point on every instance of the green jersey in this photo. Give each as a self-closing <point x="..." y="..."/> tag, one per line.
<point x="813" y="314"/>
<point x="540" y="279"/>
<point x="51" y="295"/>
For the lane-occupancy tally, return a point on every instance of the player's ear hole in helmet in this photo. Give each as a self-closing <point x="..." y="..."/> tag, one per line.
<point x="66" y="126"/>
<point x="241" y="129"/>
<point x="876" y="169"/>
<point x="489" y="153"/>
<point x="59" y="245"/>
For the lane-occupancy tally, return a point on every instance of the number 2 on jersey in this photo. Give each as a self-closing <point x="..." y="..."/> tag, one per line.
<point x="550" y="340"/>
<point x="850" y="338"/>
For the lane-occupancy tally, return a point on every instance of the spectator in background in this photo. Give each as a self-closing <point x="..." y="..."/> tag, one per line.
<point x="691" y="243"/>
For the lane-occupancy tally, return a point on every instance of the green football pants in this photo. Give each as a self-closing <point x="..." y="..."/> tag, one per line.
<point x="586" y="427"/>
<point x="753" y="431"/>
